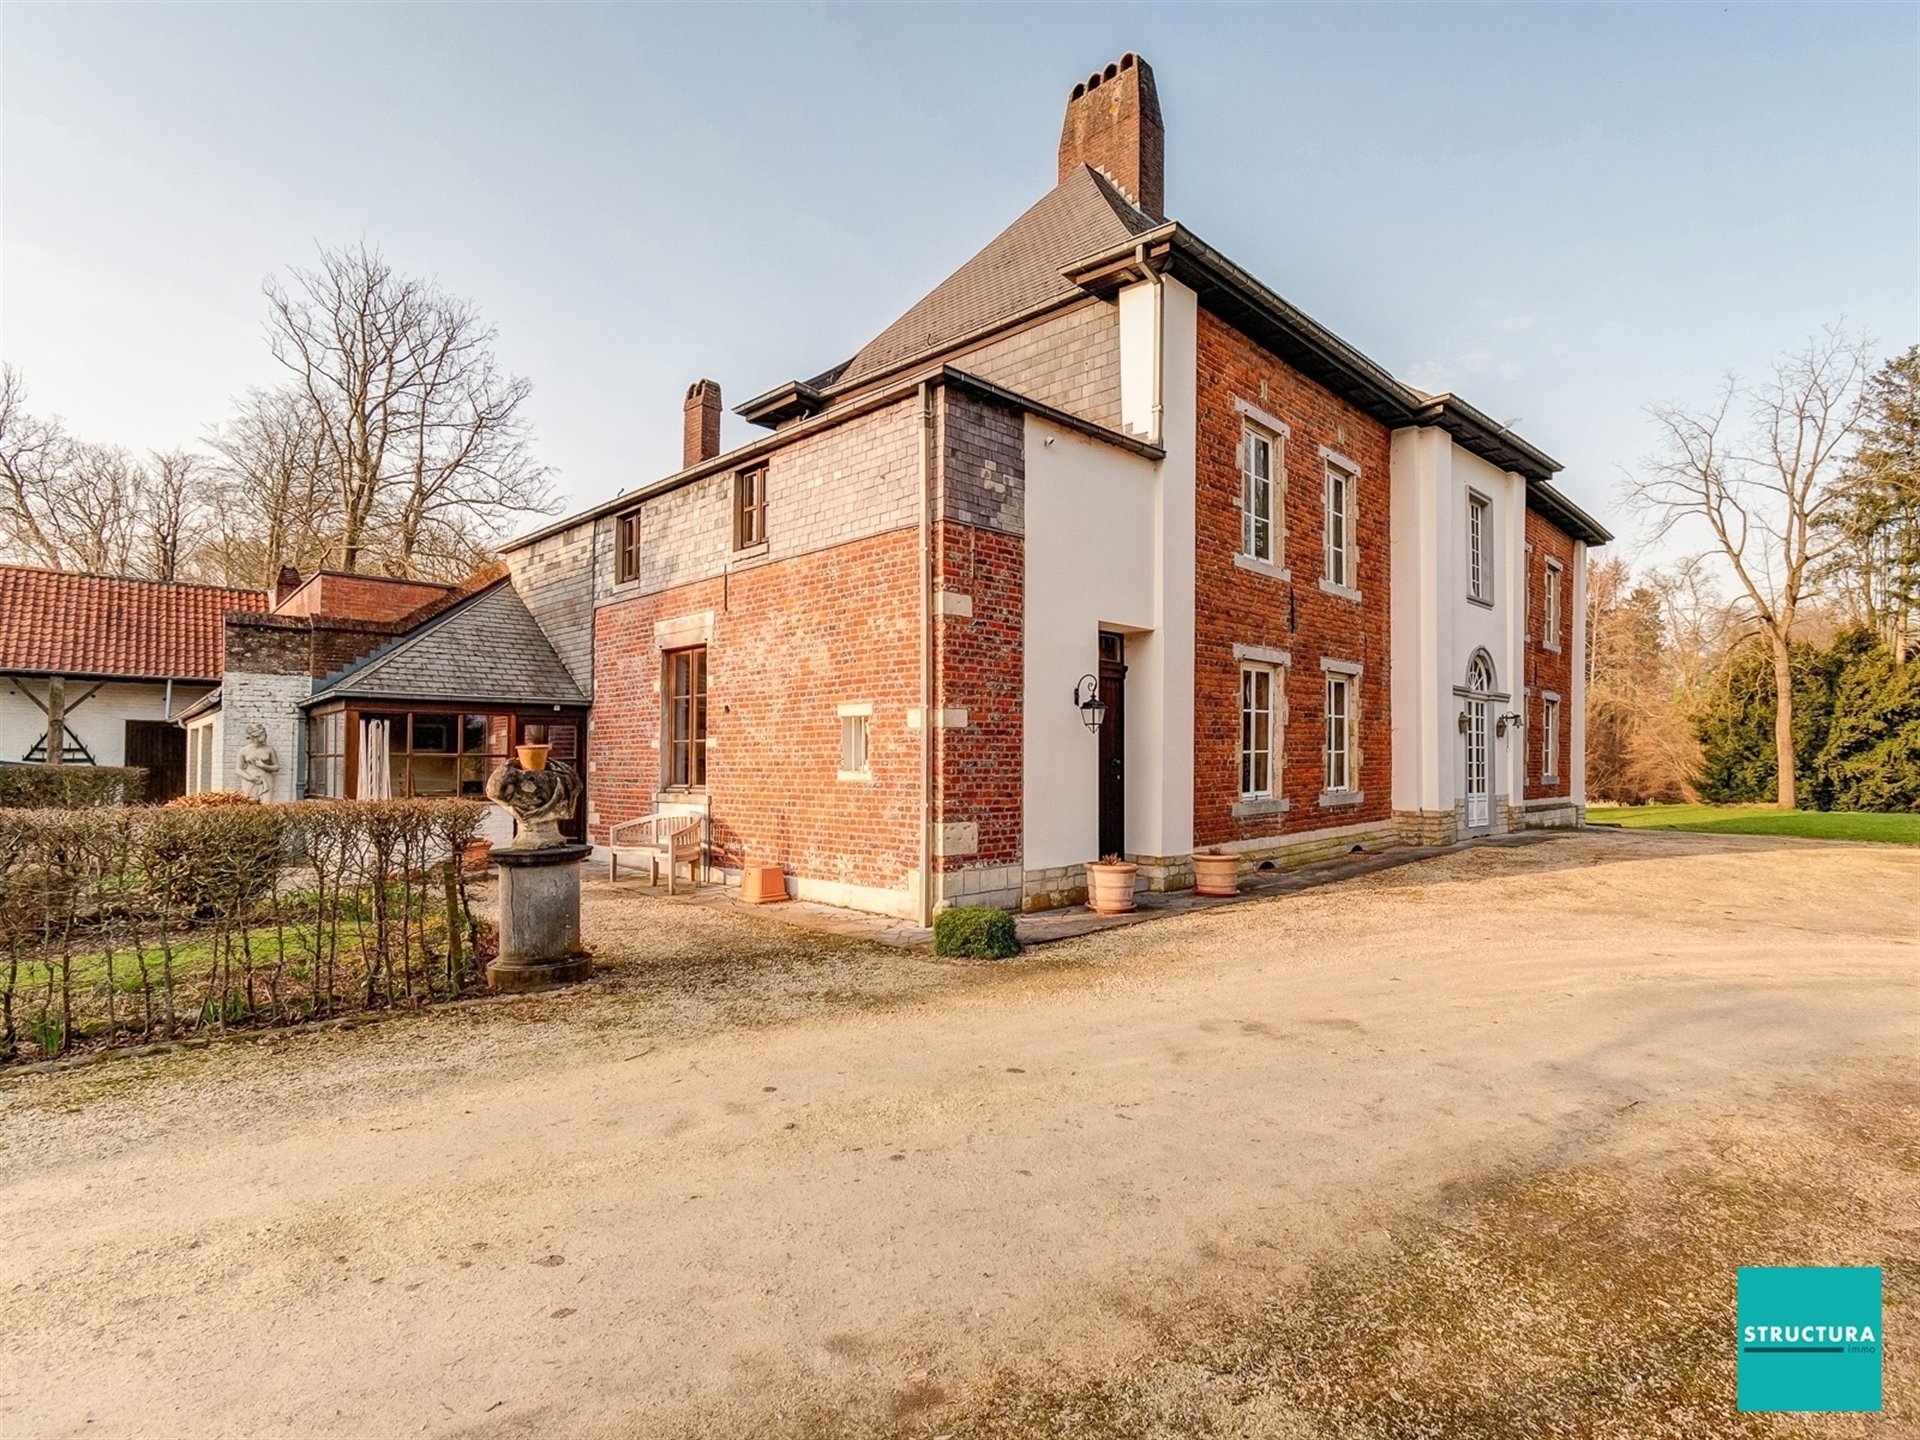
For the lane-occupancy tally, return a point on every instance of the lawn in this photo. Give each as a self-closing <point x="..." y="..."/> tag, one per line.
<point x="1762" y="820"/>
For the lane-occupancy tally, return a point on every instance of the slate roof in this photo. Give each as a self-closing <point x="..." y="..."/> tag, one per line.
<point x="60" y="622"/>
<point x="1018" y="270"/>
<point x="487" y="648"/>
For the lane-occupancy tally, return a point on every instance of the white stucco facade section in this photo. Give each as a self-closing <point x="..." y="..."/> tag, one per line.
<point x="1438" y="624"/>
<point x="1421" y="630"/>
<point x="99" y="721"/>
<point x="1090" y="566"/>
<point x="273" y="703"/>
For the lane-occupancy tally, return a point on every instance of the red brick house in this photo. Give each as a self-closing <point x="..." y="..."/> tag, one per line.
<point x="1319" y="609"/>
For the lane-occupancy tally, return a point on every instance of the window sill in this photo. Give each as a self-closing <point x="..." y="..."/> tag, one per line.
<point x="748" y="555"/>
<point x="856" y="777"/>
<point x="1482" y="601"/>
<point x="1552" y="646"/>
<point x="1250" y="807"/>
<point x="1341" y="799"/>
<point x="1343" y="591"/>
<point x="1263" y="567"/>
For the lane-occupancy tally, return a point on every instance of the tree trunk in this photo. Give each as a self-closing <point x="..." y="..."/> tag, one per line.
<point x="1788" y="793"/>
<point x="56" y="720"/>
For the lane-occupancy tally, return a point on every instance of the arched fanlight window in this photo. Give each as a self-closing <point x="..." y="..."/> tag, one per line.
<point x="1480" y="673"/>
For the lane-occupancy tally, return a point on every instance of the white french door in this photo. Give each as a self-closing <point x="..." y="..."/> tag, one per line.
<point x="1477" y="769"/>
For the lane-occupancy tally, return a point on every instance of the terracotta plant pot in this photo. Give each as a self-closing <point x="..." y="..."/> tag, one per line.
<point x="762" y="885"/>
<point x="531" y="757"/>
<point x="476" y="856"/>
<point x="1215" y="872"/>
<point x="1110" y="887"/>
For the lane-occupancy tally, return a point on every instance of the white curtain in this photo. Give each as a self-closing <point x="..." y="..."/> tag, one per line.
<point x="376" y="766"/>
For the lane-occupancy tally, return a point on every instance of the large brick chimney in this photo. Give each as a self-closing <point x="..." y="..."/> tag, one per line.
<point x="1113" y="124"/>
<point x="701" y="433"/>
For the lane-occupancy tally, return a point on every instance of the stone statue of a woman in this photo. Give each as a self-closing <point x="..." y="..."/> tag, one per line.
<point x="256" y="764"/>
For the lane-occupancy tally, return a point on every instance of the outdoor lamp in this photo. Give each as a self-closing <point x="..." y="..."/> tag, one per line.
<point x="1513" y="717"/>
<point x="1463" y="722"/>
<point x="1093" y="710"/>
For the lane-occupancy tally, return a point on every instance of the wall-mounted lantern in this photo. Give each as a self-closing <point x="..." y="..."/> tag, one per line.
<point x="1513" y="718"/>
<point x="1463" y="722"/>
<point x="1086" y="697"/>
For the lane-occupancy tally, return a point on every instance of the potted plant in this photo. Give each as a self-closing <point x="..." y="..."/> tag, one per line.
<point x="531" y="757"/>
<point x="1216" y="872"/>
<point x="1110" y="885"/>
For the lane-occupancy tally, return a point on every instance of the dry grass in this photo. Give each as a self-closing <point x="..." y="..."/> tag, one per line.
<point x="1594" y="1302"/>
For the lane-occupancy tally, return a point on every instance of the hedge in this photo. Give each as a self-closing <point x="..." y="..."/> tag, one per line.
<point x="32" y="786"/>
<point x="131" y="922"/>
<point x="978" y="932"/>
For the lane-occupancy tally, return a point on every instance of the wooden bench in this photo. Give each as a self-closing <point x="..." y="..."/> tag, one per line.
<point x="675" y="839"/>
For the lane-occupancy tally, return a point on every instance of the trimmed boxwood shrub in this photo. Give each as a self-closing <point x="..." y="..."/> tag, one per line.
<point x="979" y="932"/>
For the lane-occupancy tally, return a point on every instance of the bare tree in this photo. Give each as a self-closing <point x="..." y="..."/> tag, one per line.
<point x="278" y="504"/>
<point x="174" y="507"/>
<point x="1758" y="471"/>
<point x="421" y="430"/>
<point x="34" y="454"/>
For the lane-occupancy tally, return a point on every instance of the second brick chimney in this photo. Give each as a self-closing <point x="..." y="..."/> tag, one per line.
<point x="701" y="434"/>
<point x="1113" y="124"/>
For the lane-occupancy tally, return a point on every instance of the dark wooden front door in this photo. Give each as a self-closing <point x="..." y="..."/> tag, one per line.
<point x="1113" y="745"/>
<point x="160" y="748"/>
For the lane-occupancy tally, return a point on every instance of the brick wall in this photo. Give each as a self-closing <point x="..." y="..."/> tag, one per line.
<point x="1236" y="606"/>
<point x="790" y="643"/>
<point x="980" y="562"/>
<point x="359" y="597"/>
<point x="1548" y="669"/>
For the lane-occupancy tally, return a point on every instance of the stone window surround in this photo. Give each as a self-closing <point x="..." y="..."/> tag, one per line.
<point x="1350" y="671"/>
<point x="856" y="710"/>
<point x="1278" y="663"/>
<point x="1279" y="433"/>
<point x="1550" y="608"/>
<point x="1549" y="738"/>
<point x="1333" y="460"/>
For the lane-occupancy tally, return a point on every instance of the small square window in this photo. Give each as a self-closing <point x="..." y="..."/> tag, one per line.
<point x="855" y="731"/>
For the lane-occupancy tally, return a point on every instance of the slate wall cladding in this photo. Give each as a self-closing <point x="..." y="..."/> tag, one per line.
<point x="1235" y="606"/>
<point x="1070" y="360"/>
<point x="555" y="577"/>
<point x="1548" y="670"/>
<point x="791" y="642"/>
<point x="982" y="453"/>
<point x="843" y="484"/>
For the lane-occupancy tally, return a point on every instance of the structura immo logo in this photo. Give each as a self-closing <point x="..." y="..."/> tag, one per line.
<point x="1809" y="1337"/>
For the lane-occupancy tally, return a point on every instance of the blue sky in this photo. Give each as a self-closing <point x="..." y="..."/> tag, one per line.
<point x="1563" y="212"/>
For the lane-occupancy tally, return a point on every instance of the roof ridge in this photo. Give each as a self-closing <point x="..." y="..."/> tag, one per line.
<point x="129" y="579"/>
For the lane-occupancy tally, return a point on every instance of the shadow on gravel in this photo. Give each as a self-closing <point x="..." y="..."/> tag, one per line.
<point x="1594" y="1301"/>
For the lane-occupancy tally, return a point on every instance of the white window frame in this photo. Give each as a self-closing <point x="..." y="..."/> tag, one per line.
<point x="1275" y="678"/>
<point x="1479" y="552"/>
<point x="1341" y="679"/>
<point x="1549" y="738"/>
<point x="856" y="741"/>
<point x="1341" y="542"/>
<point x="1253" y="434"/>
<point x="1550" y="617"/>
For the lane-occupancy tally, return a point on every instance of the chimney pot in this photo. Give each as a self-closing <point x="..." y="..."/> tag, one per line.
<point x="1113" y="124"/>
<point x="700" y="432"/>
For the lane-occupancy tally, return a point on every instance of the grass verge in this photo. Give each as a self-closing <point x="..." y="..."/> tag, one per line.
<point x="1762" y="820"/>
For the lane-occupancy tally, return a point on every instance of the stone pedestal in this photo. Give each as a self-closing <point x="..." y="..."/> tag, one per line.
<point x="539" y="918"/>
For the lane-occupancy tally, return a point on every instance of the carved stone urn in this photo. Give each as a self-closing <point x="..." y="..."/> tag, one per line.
<point x="539" y="880"/>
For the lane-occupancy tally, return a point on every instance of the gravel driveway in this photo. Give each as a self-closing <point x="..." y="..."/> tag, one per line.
<point x="795" y="1185"/>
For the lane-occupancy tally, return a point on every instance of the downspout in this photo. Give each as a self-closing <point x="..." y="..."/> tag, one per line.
<point x="926" y="652"/>
<point x="1159" y="283"/>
